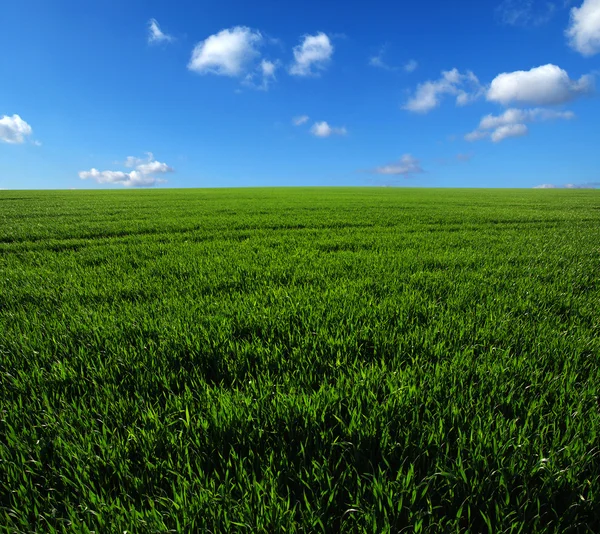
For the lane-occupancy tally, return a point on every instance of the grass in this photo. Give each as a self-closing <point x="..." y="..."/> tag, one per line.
<point x="300" y="360"/>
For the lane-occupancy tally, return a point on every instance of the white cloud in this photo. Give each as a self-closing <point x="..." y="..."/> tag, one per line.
<point x="300" y="120"/>
<point x="322" y="129"/>
<point x="14" y="129"/>
<point x="142" y="176"/>
<point x="542" y="86"/>
<point x="465" y="87"/>
<point x="312" y="55"/>
<point x="511" y="123"/>
<point x="405" y="166"/>
<point x="411" y="66"/>
<point x="545" y="186"/>
<point x="509" y="130"/>
<point x="155" y="35"/>
<point x="230" y="52"/>
<point x="584" y="28"/>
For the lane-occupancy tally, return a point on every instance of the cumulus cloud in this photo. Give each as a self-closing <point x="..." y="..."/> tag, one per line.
<point x="465" y="87"/>
<point x="155" y="35"/>
<point x="583" y="31"/>
<point x="312" y="55"/>
<point x="14" y="129"/>
<point x="322" y="129"/>
<point x="406" y="166"/>
<point x="300" y="120"/>
<point x="230" y="52"/>
<point x="541" y="86"/>
<point x="141" y="176"/>
<point x="544" y="186"/>
<point x="511" y="123"/>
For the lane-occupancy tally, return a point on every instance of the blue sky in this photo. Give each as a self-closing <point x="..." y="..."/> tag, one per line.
<point x="112" y="94"/>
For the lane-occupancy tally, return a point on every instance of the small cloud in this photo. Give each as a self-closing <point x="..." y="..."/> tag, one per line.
<point x="377" y="60"/>
<point x="265" y="71"/>
<point x="465" y="87"/>
<point x="300" y="120"/>
<point x="230" y="52"/>
<point x="322" y="129"/>
<point x="142" y="176"/>
<point x="542" y="86"/>
<point x="155" y="35"/>
<point x="411" y="66"/>
<point x="588" y="185"/>
<point x="14" y="130"/>
<point x="511" y="123"/>
<point x="406" y="166"/>
<point x="583" y="31"/>
<point x="312" y="55"/>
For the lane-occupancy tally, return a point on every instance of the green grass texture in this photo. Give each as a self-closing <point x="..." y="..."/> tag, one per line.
<point x="378" y="360"/>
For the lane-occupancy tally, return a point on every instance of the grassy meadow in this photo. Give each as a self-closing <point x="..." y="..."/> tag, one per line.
<point x="300" y="360"/>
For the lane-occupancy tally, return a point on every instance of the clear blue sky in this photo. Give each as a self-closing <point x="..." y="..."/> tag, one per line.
<point x="493" y="93"/>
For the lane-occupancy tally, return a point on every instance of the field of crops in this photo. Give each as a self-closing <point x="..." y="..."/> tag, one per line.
<point x="300" y="360"/>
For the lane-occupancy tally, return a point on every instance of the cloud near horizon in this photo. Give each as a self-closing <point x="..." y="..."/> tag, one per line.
<point x="405" y="166"/>
<point x="141" y="176"/>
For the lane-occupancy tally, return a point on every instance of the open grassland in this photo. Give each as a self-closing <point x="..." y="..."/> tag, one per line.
<point x="300" y="360"/>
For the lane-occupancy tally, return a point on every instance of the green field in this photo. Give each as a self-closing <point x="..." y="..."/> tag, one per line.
<point x="300" y="360"/>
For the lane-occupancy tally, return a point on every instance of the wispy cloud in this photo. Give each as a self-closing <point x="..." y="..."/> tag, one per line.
<point x="300" y="120"/>
<point x="155" y="34"/>
<point x="525" y="12"/>
<point x="512" y="123"/>
<point x="143" y="175"/>
<point x="312" y="55"/>
<point x="585" y="185"/>
<point x="411" y="66"/>
<point x="428" y="95"/>
<point x="264" y="73"/>
<point x="378" y="61"/>
<point x="405" y="166"/>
